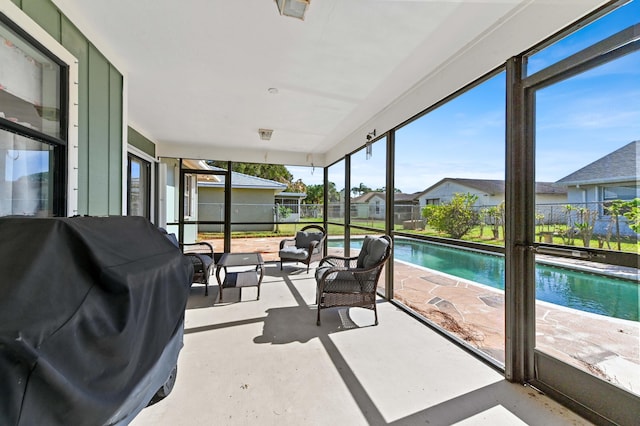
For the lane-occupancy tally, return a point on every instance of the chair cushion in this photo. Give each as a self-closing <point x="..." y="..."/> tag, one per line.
<point x="206" y="259"/>
<point x="293" y="253"/>
<point x="377" y="249"/>
<point x="320" y="271"/>
<point x="364" y="251"/>
<point x="200" y="259"/>
<point x="304" y="238"/>
<point x="373" y="249"/>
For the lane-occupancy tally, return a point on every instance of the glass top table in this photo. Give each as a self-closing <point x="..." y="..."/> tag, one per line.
<point x="246" y="278"/>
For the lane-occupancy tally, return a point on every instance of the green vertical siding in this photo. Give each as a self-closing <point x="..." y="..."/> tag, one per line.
<point x="100" y="120"/>
<point x="98" y="133"/>
<point x="143" y="144"/>
<point x="115" y="140"/>
<point x="45" y="13"/>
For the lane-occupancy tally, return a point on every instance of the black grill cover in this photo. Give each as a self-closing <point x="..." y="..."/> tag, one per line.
<point x="87" y="306"/>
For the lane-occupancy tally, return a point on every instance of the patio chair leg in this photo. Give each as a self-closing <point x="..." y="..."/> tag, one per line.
<point x="375" y="311"/>
<point x="281" y="265"/>
<point x="318" y="320"/>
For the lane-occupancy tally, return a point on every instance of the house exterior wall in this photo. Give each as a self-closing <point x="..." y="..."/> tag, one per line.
<point x="445" y="193"/>
<point x="368" y="209"/>
<point x="552" y="198"/>
<point x="590" y="196"/>
<point x="172" y="188"/>
<point x="593" y="193"/>
<point x="247" y="205"/>
<point x="584" y="194"/>
<point x="170" y="182"/>
<point x="142" y="143"/>
<point x="100" y="110"/>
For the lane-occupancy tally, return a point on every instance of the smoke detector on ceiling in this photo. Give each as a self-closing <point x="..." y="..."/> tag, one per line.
<point x="265" y="134"/>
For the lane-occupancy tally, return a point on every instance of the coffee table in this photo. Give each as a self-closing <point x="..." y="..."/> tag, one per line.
<point x="247" y="278"/>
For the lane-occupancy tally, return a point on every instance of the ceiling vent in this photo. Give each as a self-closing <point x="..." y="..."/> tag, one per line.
<point x="265" y="134"/>
<point x="293" y="8"/>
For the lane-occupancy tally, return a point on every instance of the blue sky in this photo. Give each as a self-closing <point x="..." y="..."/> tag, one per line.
<point x="577" y="121"/>
<point x="23" y="163"/>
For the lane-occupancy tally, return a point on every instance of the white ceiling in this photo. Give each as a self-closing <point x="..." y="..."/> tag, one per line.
<point x="198" y="72"/>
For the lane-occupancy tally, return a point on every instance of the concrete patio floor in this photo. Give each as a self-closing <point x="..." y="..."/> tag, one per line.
<point x="265" y="362"/>
<point x="606" y="347"/>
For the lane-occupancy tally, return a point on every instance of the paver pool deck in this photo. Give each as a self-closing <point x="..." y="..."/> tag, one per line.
<point x="606" y="347"/>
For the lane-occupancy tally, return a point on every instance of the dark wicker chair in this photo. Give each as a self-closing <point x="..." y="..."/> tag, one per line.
<point x="352" y="281"/>
<point x="306" y="247"/>
<point x="201" y="255"/>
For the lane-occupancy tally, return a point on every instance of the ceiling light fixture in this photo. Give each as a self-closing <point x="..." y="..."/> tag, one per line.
<point x="371" y="135"/>
<point x="293" y="8"/>
<point x="265" y="134"/>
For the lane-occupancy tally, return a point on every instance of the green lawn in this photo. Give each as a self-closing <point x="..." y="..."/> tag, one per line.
<point x="485" y="235"/>
<point x="284" y="230"/>
<point x="477" y="234"/>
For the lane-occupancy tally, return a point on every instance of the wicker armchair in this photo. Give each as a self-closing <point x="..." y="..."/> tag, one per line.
<point x="201" y="255"/>
<point x="306" y="247"/>
<point x="352" y="281"/>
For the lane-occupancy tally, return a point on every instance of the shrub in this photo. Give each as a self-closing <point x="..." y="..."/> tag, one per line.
<point x="456" y="218"/>
<point x="633" y="214"/>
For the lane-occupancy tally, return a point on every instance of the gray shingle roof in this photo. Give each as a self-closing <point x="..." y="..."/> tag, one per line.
<point x="367" y="196"/>
<point x="398" y="197"/>
<point x="239" y="180"/>
<point x="494" y="186"/>
<point x="401" y="197"/>
<point x="619" y="166"/>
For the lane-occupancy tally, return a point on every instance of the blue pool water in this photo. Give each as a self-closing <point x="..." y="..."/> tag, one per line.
<point x="604" y="295"/>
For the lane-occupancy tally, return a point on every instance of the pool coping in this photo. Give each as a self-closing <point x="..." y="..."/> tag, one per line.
<point x="622" y="272"/>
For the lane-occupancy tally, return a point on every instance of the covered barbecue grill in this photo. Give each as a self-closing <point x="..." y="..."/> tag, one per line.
<point x="91" y="318"/>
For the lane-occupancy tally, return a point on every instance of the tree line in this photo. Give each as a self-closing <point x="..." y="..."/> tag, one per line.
<point x="280" y="173"/>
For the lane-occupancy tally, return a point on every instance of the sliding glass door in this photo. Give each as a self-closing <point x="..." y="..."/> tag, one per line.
<point x="583" y="128"/>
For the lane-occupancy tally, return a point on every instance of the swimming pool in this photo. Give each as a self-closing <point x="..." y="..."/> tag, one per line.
<point x="600" y="294"/>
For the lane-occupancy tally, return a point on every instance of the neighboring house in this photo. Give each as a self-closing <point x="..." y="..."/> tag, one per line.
<point x="402" y="199"/>
<point x="612" y="177"/>
<point x="490" y="192"/>
<point x="290" y="201"/>
<point x="596" y="185"/>
<point x="406" y="210"/>
<point x="372" y="206"/>
<point x="253" y="199"/>
<point x="335" y="209"/>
